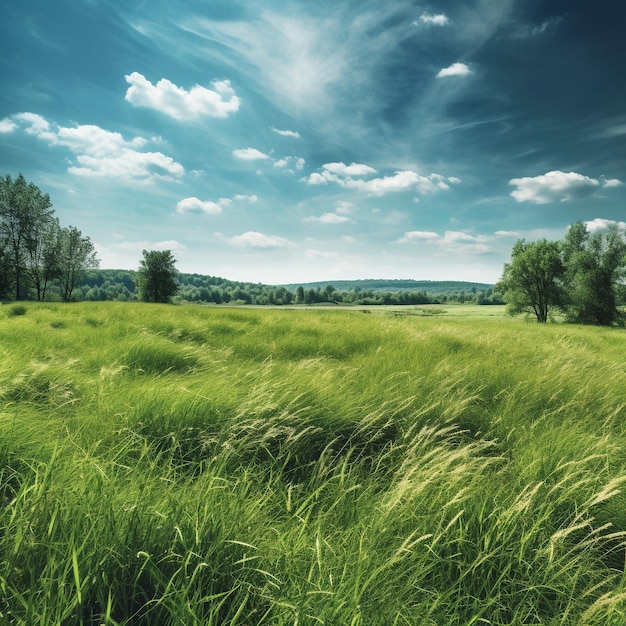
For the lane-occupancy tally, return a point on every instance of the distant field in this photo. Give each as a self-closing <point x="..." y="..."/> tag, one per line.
<point x="205" y="465"/>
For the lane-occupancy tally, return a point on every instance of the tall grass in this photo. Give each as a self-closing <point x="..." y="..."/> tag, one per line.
<point x="188" y="465"/>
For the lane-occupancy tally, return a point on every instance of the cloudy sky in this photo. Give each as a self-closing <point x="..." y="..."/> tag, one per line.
<point x="295" y="141"/>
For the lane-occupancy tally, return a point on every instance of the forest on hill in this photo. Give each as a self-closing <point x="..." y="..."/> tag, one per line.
<point x="101" y="284"/>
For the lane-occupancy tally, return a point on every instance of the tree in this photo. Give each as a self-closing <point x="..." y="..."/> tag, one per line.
<point x="157" y="278"/>
<point x="595" y="265"/>
<point x="533" y="280"/>
<point x="25" y="215"/>
<point x="74" y="256"/>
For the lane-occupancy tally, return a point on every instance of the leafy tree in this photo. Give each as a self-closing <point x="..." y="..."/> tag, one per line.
<point x="533" y="280"/>
<point x="157" y="276"/>
<point x="25" y="215"/>
<point x="75" y="255"/>
<point x="595" y="266"/>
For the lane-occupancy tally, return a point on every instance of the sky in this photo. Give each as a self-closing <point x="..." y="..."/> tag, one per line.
<point x="297" y="141"/>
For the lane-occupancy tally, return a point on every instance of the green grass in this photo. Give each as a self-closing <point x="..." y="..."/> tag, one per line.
<point x="204" y="465"/>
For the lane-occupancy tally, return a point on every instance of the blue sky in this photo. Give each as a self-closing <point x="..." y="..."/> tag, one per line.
<point x="295" y="141"/>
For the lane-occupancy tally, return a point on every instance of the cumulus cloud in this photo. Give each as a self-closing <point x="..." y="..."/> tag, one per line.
<point x="418" y="235"/>
<point x="197" y="206"/>
<point x="100" y="152"/>
<point x="250" y="154"/>
<point x="599" y="224"/>
<point x="341" y="174"/>
<point x="298" y="162"/>
<point x="440" y="19"/>
<point x="253" y="239"/>
<point x="354" y="169"/>
<point x="286" y="133"/>
<point x="209" y="207"/>
<point x="328" y="218"/>
<point x="557" y="186"/>
<point x="456" y="69"/>
<point x="180" y="104"/>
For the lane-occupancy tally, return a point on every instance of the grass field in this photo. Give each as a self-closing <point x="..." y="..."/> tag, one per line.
<point x="180" y="465"/>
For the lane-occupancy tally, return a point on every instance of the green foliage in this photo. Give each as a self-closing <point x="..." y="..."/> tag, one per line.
<point x="157" y="276"/>
<point x="204" y="465"/>
<point x="35" y="252"/>
<point x="596" y="265"/>
<point x="581" y="275"/>
<point x="532" y="281"/>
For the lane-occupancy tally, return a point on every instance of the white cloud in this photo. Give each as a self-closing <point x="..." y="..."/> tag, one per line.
<point x="557" y="186"/>
<point x="452" y="241"/>
<point x="209" y="207"/>
<point x="195" y="205"/>
<point x="328" y="218"/>
<point x="285" y="161"/>
<point x="103" y="153"/>
<point x="180" y="104"/>
<point x="507" y="233"/>
<point x="242" y="198"/>
<point x="7" y="126"/>
<point x="128" y="165"/>
<point x="439" y="19"/>
<point x="344" y="208"/>
<point x="250" y="154"/>
<point x="418" y="235"/>
<point x="400" y="181"/>
<point x="456" y="69"/>
<point x="252" y="239"/>
<point x="286" y="133"/>
<point x="600" y="224"/>
<point x="354" y="169"/>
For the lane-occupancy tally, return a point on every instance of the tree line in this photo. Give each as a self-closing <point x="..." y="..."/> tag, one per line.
<point x="121" y="285"/>
<point x="38" y="257"/>
<point x="581" y="277"/>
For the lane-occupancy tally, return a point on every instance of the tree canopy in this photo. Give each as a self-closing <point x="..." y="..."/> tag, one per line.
<point x="36" y="253"/>
<point x="580" y="275"/>
<point x="157" y="276"/>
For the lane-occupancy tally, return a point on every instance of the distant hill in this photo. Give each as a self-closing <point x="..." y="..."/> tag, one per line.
<point x="396" y="285"/>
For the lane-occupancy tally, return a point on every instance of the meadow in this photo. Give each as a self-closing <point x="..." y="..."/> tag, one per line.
<point x="187" y="465"/>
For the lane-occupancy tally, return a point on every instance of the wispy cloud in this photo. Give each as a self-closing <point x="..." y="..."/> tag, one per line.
<point x="100" y="152"/>
<point x="180" y="104"/>
<point x="557" y="186"/>
<point x="286" y="133"/>
<point x="327" y="218"/>
<point x="450" y="241"/>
